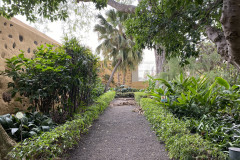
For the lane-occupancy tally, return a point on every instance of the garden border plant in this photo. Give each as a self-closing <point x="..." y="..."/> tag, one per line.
<point x="52" y="144"/>
<point x="180" y="143"/>
<point x="139" y="95"/>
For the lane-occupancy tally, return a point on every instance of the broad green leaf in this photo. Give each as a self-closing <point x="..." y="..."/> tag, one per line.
<point x="183" y="97"/>
<point x="192" y="90"/>
<point x="181" y="78"/>
<point x="222" y="82"/>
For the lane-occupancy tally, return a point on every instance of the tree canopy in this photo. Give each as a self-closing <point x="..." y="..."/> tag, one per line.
<point x="115" y="45"/>
<point x="52" y="10"/>
<point x="178" y="25"/>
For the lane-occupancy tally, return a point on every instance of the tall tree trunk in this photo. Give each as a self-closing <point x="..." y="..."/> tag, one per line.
<point x="6" y="143"/>
<point x="231" y="27"/>
<point x="218" y="38"/>
<point x="159" y="60"/>
<point x="111" y="77"/>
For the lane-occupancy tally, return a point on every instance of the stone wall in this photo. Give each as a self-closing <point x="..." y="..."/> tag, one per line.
<point x="16" y="36"/>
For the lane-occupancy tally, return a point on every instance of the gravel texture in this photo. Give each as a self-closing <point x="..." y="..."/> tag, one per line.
<point x="119" y="134"/>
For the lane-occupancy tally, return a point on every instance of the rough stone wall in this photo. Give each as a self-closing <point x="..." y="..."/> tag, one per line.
<point x="16" y="36"/>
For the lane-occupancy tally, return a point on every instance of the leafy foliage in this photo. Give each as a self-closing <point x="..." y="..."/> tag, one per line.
<point x="178" y="26"/>
<point x="52" y="10"/>
<point x="211" y="109"/>
<point x="83" y="79"/>
<point x="209" y="63"/>
<point x="124" y="95"/>
<point x="124" y="88"/>
<point x="115" y="45"/>
<point x="52" y="144"/>
<point x="139" y="95"/>
<point x="32" y="124"/>
<point x="180" y="143"/>
<point x="41" y="78"/>
<point x="65" y="75"/>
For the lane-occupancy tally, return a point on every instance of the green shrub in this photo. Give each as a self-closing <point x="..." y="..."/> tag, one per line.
<point x="124" y="89"/>
<point x="64" y="75"/>
<point x="125" y="95"/>
<point x="32" y="124"/>
<point x="139" y="95"/>
<point x="211" y="108"/>
<point x="180" y="143"/>
<point x="52" y="144"/>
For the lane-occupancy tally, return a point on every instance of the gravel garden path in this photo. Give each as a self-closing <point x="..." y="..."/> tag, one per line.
<point x="120" y="133"/>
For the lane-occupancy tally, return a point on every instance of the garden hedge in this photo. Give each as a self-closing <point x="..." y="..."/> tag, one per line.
<point x="52" y="144"/>
<point x="139" y="95"/>
<point x="180" y="143"/>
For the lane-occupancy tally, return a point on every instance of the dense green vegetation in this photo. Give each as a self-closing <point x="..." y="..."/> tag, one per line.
<point x="125" y="92"/>
<point x="32" y="124"/>
<point x="52" y="144"/>
<point x="139" y="95"/>
<point x="59" y="82"/>
<point x="180" y="143"/>
<point x="202" y="114"/>
<point x="52" y="10"/>
<point x="208" y="108"/>
<point x="65" y="75"/>
<point x="209" y="63"/>
<point x="115" y="45"/>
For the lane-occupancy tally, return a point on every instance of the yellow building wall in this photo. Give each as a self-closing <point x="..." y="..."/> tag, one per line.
<point x="16" y="36"/>
<point x="106" y="69"/>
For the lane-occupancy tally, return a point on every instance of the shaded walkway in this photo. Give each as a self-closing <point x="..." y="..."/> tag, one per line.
<point x="119" y="134"/>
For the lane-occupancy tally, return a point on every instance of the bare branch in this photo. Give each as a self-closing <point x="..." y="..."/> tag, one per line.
<point x="118" y="6"/>
<point x="122" y="7"/>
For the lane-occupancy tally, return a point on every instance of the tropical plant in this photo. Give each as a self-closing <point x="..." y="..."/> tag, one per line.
<point x="180" y="143"/>
<point x="115" y="44"/>
<point x="191" y="97"/>
<point x="210" y="109"/>
<point x="32" y="124"/>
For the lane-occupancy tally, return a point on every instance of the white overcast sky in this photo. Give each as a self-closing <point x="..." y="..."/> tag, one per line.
<point x="90" y="38"/>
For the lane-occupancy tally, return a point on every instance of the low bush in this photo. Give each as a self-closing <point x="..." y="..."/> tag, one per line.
<point x="180" y="143"/>
<point x="32" y="124"/>
<point x="139" y="95"/>
<point x="211" y="108"/>
<point x="52" y="144"/>
<point x="125" y="95"/>
<point x="124" y="89"/>
<point x="65" y="75"/>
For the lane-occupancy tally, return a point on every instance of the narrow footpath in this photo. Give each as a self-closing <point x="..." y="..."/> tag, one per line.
<point x="120" y="134"/>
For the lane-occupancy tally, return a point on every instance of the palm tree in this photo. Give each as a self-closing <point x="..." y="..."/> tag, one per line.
<point x="115" y="44"/>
